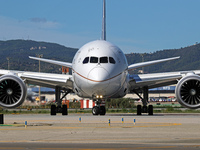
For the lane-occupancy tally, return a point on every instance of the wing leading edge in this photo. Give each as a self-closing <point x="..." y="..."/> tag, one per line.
<point x="61" y="63"/>
<point x="148" y="63"/>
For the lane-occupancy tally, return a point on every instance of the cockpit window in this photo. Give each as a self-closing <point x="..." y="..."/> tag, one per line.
<point x="86" y="60"/>
<point x="99" y="60"/>
<point x="103" y="59"/>
<point x="111" y="60"/>
<point x="93" y="59"/>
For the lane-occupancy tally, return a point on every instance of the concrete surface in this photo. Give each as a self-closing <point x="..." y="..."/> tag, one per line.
<point x="161" y="131"/>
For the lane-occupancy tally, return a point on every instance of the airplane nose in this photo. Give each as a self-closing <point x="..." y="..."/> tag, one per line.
<point x="98" y="81"/>
<point x="98" y="75"/>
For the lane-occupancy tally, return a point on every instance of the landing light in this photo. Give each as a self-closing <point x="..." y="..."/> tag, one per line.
<point x="99" y="96"/>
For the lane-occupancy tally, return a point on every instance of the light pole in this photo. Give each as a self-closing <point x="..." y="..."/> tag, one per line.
<point x="143" y="61"/>
<point x="40" y="56"/>
<point x="8" y="59"/>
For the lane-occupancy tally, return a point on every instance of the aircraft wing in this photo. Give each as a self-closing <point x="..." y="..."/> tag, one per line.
<point x="154" y="80"/>
<point x="148" y="63"/>
<point x="61" y="63"/>
<point x="42" y="79"/>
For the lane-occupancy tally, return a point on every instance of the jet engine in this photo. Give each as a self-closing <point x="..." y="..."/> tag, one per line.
<point x="188" y="91"/>
<point x="12" y="91"/>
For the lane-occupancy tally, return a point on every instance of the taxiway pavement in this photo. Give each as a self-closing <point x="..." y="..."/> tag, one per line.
<point x="161" y="131"/>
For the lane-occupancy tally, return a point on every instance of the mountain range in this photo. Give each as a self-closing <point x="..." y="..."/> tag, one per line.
<point x="17" y="51"/>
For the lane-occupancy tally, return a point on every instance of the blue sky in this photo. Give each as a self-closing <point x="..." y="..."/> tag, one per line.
<point x="133" y="25"/>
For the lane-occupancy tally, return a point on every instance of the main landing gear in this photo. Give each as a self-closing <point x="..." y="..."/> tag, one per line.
<point x="98" y="109"/>
<point x="144" y="109"/>
<point x="59" y="108"/>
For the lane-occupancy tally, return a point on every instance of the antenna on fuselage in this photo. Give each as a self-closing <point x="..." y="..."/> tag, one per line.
<point x="104" y="21"/>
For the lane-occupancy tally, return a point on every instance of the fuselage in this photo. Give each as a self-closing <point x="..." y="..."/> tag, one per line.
<point x="99" y="70"/>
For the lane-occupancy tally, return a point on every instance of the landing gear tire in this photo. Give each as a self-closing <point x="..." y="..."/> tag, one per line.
<point x="139" y="110"/>
<point x="102" y="110"/>
<point x="150" y="109"/>
<point x="144" y="109"/>
<point x="59" y="109"/>
<point x="95" y="110"/>
<point x="64" y="110"/>
<point x="53" y="110"/>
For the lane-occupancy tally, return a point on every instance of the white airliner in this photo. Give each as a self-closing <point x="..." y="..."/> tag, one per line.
<point x="100" y="72"/>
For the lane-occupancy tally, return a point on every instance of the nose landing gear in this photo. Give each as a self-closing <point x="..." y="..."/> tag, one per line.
<point x="99" y="109"/>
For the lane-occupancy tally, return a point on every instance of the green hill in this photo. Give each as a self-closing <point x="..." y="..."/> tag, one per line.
<point x="19" y="50"/>
<point x="189" y="59"/>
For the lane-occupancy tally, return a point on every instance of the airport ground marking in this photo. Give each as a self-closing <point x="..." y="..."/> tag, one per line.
<point x="104" y="139"/>
<point x="148" y="147"/>
<point x="192" y="146"/>
<point x="12" y="148"/>
<point x="113" y="125"/>
<point x="153" y="147"/>
<point x="156" y="147"/>
<point x="84" y="148"/>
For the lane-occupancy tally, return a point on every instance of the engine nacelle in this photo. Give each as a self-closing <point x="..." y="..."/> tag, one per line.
<point x="188" y="91"/>
<point x="12" y="91"/>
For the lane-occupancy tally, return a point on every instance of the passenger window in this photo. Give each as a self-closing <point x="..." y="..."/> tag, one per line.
<point x="86" y="60"/>
<point x="93" y="59"/>
<point x="103" y="59"/>
<point x="111" y="60"/>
